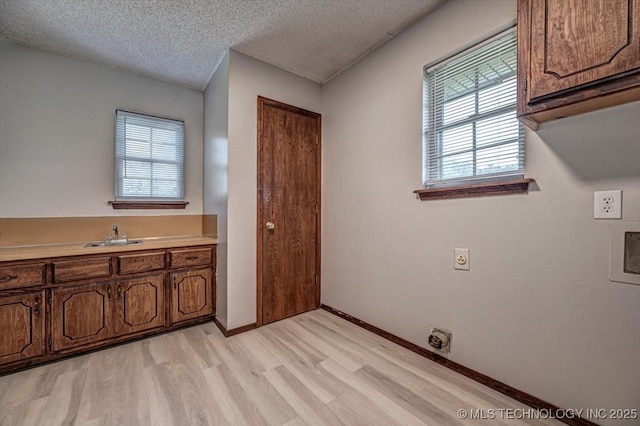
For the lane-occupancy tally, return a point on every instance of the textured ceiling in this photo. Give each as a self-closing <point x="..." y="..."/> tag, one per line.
<point x="182" y="41"/>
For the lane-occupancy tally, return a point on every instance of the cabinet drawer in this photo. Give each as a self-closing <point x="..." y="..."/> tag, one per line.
<point x="21" y="275"/>
<point x="145" y="262"/>
<point x="81" y="269"/>
<point x="191" y="257"/>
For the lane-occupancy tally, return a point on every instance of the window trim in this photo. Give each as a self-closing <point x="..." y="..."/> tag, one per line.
<point x="142" y="202"/>
<point x="478" y="189"/>
<point x="476" y="185"/>
<point x="147" y="205"/>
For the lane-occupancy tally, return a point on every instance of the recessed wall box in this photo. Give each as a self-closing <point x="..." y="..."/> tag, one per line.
<point x="624" y="258"/>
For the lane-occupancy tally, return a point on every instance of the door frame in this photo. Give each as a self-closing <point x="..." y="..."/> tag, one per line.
<point x="262" y="103"/>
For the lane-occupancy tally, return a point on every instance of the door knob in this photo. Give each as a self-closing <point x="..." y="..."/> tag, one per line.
<point x="270" y="225"/>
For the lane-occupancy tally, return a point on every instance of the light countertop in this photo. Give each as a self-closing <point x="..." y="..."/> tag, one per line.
<point x="75" y="249"/>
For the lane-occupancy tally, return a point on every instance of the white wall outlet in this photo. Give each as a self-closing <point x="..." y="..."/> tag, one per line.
<point x="461" y="259"/>
<point x="607" y="204"/>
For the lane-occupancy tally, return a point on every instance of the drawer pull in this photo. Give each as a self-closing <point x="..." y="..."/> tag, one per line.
<point x="192" y="258"/>
<point x="36" y="307"/>
<point x="119" y="291"/>
<point x="109" y="292"/>
<point x="8" y="278"/>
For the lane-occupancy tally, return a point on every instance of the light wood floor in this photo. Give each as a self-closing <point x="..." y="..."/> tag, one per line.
<point x="313" y="369"/>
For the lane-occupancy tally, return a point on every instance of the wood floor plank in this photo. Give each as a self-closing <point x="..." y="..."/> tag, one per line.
<point x="234" y="403"/>
<point x="410" y="401"/>
<point x="353" y="409"/>
<point x="309" y="408"/>
<point x="394" y="410"/>
<point x="261" y="393"/>
<point x="313" y="369"/>
<point x="30" y="413"/>
<point x="304" y="370"/>
<point x="63" y="403"/>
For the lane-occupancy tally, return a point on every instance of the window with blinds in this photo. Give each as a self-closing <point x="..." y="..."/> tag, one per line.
<point x="149" y="158"/>
<point x="470" y="128"/>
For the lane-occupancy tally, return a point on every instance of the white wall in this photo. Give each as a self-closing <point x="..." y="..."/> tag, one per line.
<point x="57" y="119"/>
<point x="537" y="308"/>
<point x="216" y="164"/>
<point x="249" y="78"/>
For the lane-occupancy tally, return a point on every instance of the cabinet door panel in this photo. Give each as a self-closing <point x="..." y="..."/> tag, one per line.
<point x="81" y="315"/>
<point x="139" y="304"/>
<point x="191" y="294"/>
<point x="21" y="327"/>
<point x="581" y="42"/>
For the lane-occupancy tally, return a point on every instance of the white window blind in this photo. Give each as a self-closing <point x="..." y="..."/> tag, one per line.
<point x="149" y="158"/>
<point x="470" y="128"/>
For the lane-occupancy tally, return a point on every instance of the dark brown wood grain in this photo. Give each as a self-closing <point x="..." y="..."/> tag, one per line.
<point x="139" y="304"/>
<point x="191" y="294"/>
<point x="136" y="263"/>
<point x="148" y="205"/>
<point x="81" y="315"/>
<point x="80" y="269"/>
<point x="516" y="186"/>
<point x="190" y="257"/>
<point x="22" y="275"/>
<point x="510" y="391"/>
<point x="289" y="197"/>
<point x="25" y="314"/>
<point x="125" y="303"/>
<point x="578" y="42"/>
<point x="576" y="56"/>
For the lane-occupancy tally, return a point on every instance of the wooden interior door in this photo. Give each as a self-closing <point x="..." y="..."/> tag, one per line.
<point x="577" y="43"/>
<point x="288" y="210"/>
<point x="139" y="304"/>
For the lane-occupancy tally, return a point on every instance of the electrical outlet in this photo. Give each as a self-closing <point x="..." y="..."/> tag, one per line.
<point x="461" y="259"/>
<point x="607" y="204"/>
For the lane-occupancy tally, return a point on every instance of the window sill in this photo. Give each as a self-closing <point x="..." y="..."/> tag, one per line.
<point x="518" y="186"/>
<point x="119" y="205"/>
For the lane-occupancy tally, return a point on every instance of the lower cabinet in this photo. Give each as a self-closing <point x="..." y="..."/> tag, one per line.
<point x="139" y="304"/>
<point x="95" y="312"/>
<point x="53" y="308"/>
<point x="191" y="294"/>
<point x="81" y="315"/>
<point x="25" y="314"/>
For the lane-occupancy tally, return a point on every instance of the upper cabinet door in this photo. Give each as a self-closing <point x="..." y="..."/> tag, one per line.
<point x="579" y="43"/>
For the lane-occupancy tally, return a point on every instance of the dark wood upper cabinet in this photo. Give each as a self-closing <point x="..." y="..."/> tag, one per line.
<point x="576" y="56"/>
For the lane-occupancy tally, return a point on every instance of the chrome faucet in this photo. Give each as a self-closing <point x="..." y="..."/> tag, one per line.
<point x="115" y="232"/>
